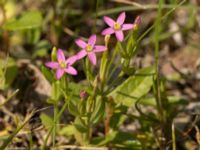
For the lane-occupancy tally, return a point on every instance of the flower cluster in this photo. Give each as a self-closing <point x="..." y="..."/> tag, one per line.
<point x="89" y="48"/>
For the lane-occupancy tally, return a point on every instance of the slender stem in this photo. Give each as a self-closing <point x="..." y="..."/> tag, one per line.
<point x="3" y="13"/>
<point x="173" y="137"/>
<point x="157" y="46"/>
<point x="51" y="129"/>
<point x="31" y="141"/>
<point x="55" y="120"/>
<point x="96" y="14"/>
<point x="46" y="139"/>
<point x="109" y="113"/>
<point x="92" y="102"/>
<point x="157" y="80"/>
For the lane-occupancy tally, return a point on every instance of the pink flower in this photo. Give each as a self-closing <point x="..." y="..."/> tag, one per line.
<point x="62" y="65"/>
<point x="89" y="49"/>
<point x="116" y="27"/>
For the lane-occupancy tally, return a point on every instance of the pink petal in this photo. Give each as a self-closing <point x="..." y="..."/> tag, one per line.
<point x="92" y="58"/>
<point x="81" y="43"/>
<point x="81" y="54"/>
<point x="109" y="21"/>
<point x="127" y="26"/>
<point x="92" y="40"/>
<point x="71" y="60"/>
<point x="59" y="73"/>
<point x="71" y="70"/>
<point x="121" y="18"/>
<point x="99" y="48"/>
<point x="52" y="65"/>
<point x="107" y="31"/>
<point x="119" y="35"/>
<point x="60" y="55"/>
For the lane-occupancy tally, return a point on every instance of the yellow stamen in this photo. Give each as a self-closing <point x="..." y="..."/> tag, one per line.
<point x="117" y="26"/>
<point x="89" y="48"/>
<point x="62" y="64"/>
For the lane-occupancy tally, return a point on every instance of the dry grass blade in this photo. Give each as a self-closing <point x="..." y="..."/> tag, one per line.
<point x="130" y="3"/>
<point x="9" y="139"/>
<point x="81" y="147"/>
<point x="173" y="137"/>
<point x="6" y="100"/>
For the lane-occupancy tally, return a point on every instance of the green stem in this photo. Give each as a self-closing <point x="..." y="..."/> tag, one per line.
<point x="55" y="120"/>
<point x="157" y="46"/>
<point x="3" y="12"/>
<point x="96" y="15"/>
<point x="52" y="128"/>
<point x="109" y="113"/>
<point x="31" y="141"/>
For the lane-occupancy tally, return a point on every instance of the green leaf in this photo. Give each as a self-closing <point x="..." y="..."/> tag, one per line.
<point x="119" y="140"/>
<point x="134" y="87"/>
<point x="122" y="50"/>
<point x="56" y="92"/>
<point x="72" y="106"/>
<point x="10" y="69"/>
<point x="117" y="120"/>
<point x="76" y="88"/>
<point x="88" y="70"/>
<point x="80" y="131"/>
<point x="100" y="141"/>
<point x="80" y="125"/>
<point x="131" y="47"/>
<point x="74" y="102"/>
<point x="103" y="66"/>
<point x="67" y="130"/>
<point x="47" y="121"/>
<point x="48" y="75"/>
<point x="149" y="100"/>
<point x="33" y="36"/>
<point x="177" y="100"/>
<point x="124" y="140"/>
<point x="99" y="110"/>
<point x="27" y="20"/>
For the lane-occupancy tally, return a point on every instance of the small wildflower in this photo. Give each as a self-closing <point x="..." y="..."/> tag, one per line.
<point x="116" y="27"/>
<point x="89" y="49"/>
<point x="62" y="65"/>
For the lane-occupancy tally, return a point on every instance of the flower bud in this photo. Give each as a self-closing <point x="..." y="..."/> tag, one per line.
<point x="107" y="39"/>
<point x="136" y="22"/>
<point x="54" y="54"/>
<point x="83" y="94"/>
